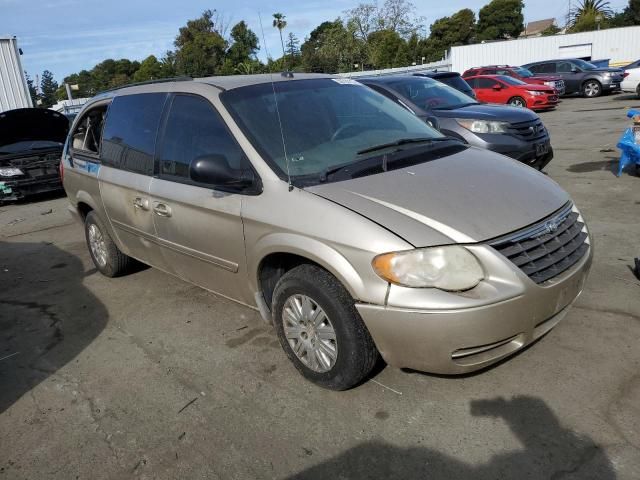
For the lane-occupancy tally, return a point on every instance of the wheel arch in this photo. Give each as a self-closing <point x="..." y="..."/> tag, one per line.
<point x="279" y="253"/>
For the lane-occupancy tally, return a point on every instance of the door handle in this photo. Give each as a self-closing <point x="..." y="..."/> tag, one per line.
<point x="141" y="203"/>
<point x="161" y="209"/>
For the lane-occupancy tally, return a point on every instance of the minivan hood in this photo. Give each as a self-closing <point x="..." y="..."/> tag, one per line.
<point x="468" y="197"/>
<point x="488" y="111"/>
<point x="32" y="124"/>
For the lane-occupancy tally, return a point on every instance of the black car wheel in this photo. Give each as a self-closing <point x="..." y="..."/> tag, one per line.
<point x="320" y="329"/>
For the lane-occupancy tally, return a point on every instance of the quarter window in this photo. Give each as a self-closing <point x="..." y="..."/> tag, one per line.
<point x="564" y="67"/>
<point x="131" y="130"/>
<point x="87" y="134"/>
<point x="195" y="129"/>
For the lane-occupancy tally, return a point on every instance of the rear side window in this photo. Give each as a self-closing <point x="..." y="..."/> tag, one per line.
<point x="485" y="82"/>
<point x="543" y="68"/>
<point x="194" y="129"/>
<point x="130" y="132"/>
<point x="564" y="67"/>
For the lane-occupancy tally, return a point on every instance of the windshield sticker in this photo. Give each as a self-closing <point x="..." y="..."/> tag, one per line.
<point x="346" y="81"/>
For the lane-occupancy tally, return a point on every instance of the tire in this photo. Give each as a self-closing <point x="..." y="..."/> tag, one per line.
<point x="355" y="352"/>
<point x="638" y="90"/>
<point x="591" y="89"/>
<point x="108" y="259"/>
<point x="517" y="102"/>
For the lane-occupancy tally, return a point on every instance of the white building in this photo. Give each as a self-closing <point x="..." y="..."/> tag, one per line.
<point x="620" y="45"/>
<point x="14" y="92"/>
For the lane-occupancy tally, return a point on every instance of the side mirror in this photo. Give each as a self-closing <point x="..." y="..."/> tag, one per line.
<point x="214" y="170"/>
<point x="433" y="122"/>
<point x="497" y="86"/>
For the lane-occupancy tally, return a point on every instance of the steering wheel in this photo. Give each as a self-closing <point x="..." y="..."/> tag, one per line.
<point x="341" y="129"/>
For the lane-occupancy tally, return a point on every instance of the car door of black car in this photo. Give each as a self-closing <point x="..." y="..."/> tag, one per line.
<point x="570" y="74"/>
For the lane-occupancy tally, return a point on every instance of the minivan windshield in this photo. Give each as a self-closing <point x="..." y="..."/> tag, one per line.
<point x="326" y="123"/>
<point x="431" y="94"/>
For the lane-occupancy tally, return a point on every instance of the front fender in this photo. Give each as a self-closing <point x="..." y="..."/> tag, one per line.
<point x="325" y="256"/>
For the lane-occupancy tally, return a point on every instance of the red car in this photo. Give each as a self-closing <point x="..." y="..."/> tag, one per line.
<point x="509" y="90"/>
<point x="527" y="76"/>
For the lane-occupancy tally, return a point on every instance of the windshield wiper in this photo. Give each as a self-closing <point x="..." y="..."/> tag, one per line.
<point x="402" y="141"/>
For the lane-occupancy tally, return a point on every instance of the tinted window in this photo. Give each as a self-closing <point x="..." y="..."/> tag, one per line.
<point x="456" y="82"/>
<point x="543" y="68"/>
<point x="485" y="82"/>
<point x="511" y="80"/>
<point x="430" y="94"/>
<point x="194" y="129"/>
<point x="564" y="67"/>
<point x="130" y="132"/>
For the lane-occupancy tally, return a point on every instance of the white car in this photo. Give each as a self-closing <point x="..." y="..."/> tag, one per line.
<point x="631" y="82"/>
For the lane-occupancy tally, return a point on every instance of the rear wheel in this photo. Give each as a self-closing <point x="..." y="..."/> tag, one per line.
<point x="518" y="102"/>
<point x="592" y="89"/>
<point x="638" y="90"/>
<point x="320" y="329"/>
<point x="106" y="256"/>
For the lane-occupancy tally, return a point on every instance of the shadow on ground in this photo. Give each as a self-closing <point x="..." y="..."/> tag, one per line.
<point x="38" y="337"/>
<point x="545" y="450"/>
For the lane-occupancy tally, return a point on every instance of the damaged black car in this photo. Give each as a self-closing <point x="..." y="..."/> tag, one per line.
<point x="31" y="142"/>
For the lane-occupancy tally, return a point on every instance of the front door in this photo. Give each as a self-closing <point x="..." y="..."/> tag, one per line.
<point x="200" y="229"/>
<point x="486" y="93"/>
<point x="125" y="176"/>
<point x="571" y="79"/>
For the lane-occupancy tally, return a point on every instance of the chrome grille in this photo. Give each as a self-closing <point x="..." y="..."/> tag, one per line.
<point x="548" y="248"/>
<point x="530" y="130"/>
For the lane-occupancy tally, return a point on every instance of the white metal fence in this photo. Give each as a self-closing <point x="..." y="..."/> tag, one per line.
<point x="14" y="92"/>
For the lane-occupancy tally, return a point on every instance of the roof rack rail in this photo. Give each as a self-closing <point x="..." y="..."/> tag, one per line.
<point x="149" y="82"/>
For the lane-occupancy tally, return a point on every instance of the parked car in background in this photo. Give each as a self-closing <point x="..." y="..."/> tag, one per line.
<point x="515" y="132"/>
<point x="350" y="224"/>
<point x="453" y="79"/>
<point x="514" y="92"/>
<point x="580" y="76"/>
<point x="520" y="73"/>
<point x="631" y="82"/>
<point x="31" y="141"/>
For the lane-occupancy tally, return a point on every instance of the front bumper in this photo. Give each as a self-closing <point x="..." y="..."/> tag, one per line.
<point x="461" y="340"/>
<point x="611" y="86"/>
<point x="12" y="190"/>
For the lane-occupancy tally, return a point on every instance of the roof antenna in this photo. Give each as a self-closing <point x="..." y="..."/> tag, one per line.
<point x="275" y="99"/>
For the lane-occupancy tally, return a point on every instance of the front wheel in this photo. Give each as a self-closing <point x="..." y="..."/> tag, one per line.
<point x="320" y="329"/>
<point x="592" y="89"/>
<point x="518" y="102"/>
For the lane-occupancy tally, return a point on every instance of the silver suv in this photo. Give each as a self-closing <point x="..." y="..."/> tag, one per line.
<point x="351" y="225"/>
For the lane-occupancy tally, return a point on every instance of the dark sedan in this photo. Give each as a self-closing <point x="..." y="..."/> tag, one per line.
<point x="515" y="132"/>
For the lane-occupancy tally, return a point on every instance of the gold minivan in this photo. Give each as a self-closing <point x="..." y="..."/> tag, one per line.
<point x="351" y="225"/>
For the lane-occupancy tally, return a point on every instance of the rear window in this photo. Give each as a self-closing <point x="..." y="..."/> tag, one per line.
<point x="130" y="132"/>
<point x="456" y="82"/>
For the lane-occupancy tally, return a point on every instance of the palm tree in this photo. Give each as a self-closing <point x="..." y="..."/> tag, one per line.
<point x="590" y="9"/>
<point x="279" y="22"/>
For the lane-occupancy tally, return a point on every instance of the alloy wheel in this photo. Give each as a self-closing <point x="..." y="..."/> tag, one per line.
<point x="97" y="245"/>
<point x="310" y="333"/>
<point x="591" y="89"/>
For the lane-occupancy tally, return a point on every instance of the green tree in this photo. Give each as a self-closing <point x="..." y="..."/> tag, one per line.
<point x="293" y="46"/>
<point x="588" y="13"/>
<point x="314" y="58"/>
<point x="48" y="87"/>
<point x="200" y="48"/>
<point x="387" y="49"/>
<point x="500" y="19"/>
<point x="245" y="43"/>
<point x="150" y="69"/>
<point x="550" y="30"/>
<point x="632" y="12"/>
<point x="458" y="29"/>
<point x="280" y="23"/>
<point x="33" y="91"/>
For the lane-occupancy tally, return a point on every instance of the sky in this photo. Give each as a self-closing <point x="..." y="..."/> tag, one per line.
<point x="66" y="36"/>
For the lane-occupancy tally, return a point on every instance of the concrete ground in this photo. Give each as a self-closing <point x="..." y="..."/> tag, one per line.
<point x="146" y="376"/>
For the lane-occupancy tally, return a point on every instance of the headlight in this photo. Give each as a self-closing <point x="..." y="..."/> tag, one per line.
<point x="607" y="74"/>
<point x="452" y="268"/>
<point x="483" y="126"/>
<point x="550" y="84"/>
<point x="535" y="92"/>
<point x="10" y="172"/>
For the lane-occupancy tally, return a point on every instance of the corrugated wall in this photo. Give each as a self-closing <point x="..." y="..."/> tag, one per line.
<point x="617" y="44"/>
<point x="14" y="92"/>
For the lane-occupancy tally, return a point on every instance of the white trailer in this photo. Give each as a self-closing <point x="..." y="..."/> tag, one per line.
<point x="14" y="92"/>
<point x="620" y="45"/>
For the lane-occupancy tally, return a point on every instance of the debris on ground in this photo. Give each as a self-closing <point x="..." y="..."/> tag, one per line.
<point x="47" y="212"/>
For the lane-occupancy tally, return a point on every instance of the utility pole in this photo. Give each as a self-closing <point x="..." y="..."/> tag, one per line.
<point x="68" y="89"/>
